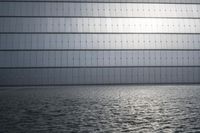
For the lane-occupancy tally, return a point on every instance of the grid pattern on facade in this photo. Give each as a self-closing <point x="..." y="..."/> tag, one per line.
<point x="99" y="42"/>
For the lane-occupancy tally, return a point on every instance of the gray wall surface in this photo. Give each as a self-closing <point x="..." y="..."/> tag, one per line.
<point x="99" y="42"/>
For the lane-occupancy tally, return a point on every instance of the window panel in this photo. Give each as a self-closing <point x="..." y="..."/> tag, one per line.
<point x="100" y="9"/>
<point x="49" y="41"/>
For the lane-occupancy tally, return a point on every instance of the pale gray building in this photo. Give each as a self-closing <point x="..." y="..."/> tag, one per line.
<point x="61" y="42"/>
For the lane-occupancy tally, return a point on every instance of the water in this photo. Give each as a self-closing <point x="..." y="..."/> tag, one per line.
<point x="100" y="109"/>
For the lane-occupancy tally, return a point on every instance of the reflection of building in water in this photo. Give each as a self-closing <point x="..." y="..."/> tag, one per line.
<point x="102" y="42"/>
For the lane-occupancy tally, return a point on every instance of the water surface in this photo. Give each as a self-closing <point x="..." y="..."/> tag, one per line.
<point x="100" y="109"/>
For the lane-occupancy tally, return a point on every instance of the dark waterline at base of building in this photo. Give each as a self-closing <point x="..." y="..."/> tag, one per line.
<point x="124" y="108"/>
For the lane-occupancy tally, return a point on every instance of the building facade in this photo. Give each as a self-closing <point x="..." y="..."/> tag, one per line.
<point x="64" y="42"/>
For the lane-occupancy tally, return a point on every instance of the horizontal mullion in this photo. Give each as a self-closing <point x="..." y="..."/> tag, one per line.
<point x="21" y="50"/>
<point x="67" y="1"/>
<point x="101" y="84"/>
<point x="96" y="33"/>
<point x="75" y="67"/>
<point x="16" y="16"/>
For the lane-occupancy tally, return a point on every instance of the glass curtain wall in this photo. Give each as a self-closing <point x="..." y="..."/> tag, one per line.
<point x="99" y="42"/>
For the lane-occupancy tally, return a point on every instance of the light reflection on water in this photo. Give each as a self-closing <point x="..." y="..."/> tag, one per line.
<point x="100" y="109"/>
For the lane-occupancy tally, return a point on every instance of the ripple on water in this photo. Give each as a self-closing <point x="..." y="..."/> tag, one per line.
<point x="101" y="109"/>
